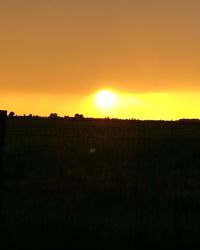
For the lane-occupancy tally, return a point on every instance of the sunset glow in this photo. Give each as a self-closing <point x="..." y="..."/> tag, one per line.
<point x="99" y="122"/>
<point x="120" y="59"/>
<point x="157" y="105"/>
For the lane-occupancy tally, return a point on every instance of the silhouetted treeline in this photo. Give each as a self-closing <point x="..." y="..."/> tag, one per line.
<point x="81" y="116"/>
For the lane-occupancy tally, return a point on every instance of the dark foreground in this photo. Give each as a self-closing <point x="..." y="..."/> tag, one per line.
<point x="100" y="183"/>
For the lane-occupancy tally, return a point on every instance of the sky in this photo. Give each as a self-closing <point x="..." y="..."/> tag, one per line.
<point x="56" y="54"/>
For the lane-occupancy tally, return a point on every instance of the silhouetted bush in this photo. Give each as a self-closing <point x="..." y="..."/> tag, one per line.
<point x="79" y="116"/>
<point x="11" y="114"/>
<point x="53" y="115"/>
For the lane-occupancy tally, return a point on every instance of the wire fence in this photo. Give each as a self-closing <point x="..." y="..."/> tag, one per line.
<point x="36" y="143"/>
<point x="3" y="115"/>
<point x="85" y="164"/>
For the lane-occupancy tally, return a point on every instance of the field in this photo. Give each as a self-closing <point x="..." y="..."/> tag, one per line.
<point x="103" y="181"/>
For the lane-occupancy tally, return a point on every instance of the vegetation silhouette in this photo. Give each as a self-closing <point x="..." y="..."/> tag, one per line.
<point x="79" y="116"/>
<point x="77" y="179"/>
<point x="11" y="114"/>
<point x="53" y="115"/>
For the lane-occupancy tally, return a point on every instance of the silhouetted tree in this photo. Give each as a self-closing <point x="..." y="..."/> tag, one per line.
<point x="78" y="116"/>
<point x="11" y="114"/>
<point x="53" y="115"/>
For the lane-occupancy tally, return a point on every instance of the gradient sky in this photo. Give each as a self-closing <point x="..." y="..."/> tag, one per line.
<point x="55" y="54"/>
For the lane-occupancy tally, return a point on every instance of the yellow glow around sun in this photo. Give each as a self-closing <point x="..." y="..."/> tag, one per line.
<point x="105" y="99"/>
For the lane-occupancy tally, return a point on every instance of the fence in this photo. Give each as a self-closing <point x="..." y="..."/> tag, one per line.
<point x="138" y="178"/>
<point x="3" y="115"/>
<point x="42" y="143"/>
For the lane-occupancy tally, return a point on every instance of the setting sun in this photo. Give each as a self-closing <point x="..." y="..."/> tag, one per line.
<point x="105" y="99"/>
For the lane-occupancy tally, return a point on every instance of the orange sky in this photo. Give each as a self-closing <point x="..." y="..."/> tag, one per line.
<point x="55" y="54"/>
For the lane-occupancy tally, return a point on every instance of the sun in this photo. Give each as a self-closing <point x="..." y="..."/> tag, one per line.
<point x="105" y="99"/>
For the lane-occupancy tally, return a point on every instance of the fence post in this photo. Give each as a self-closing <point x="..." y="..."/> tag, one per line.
<point x="3" y="116"/>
